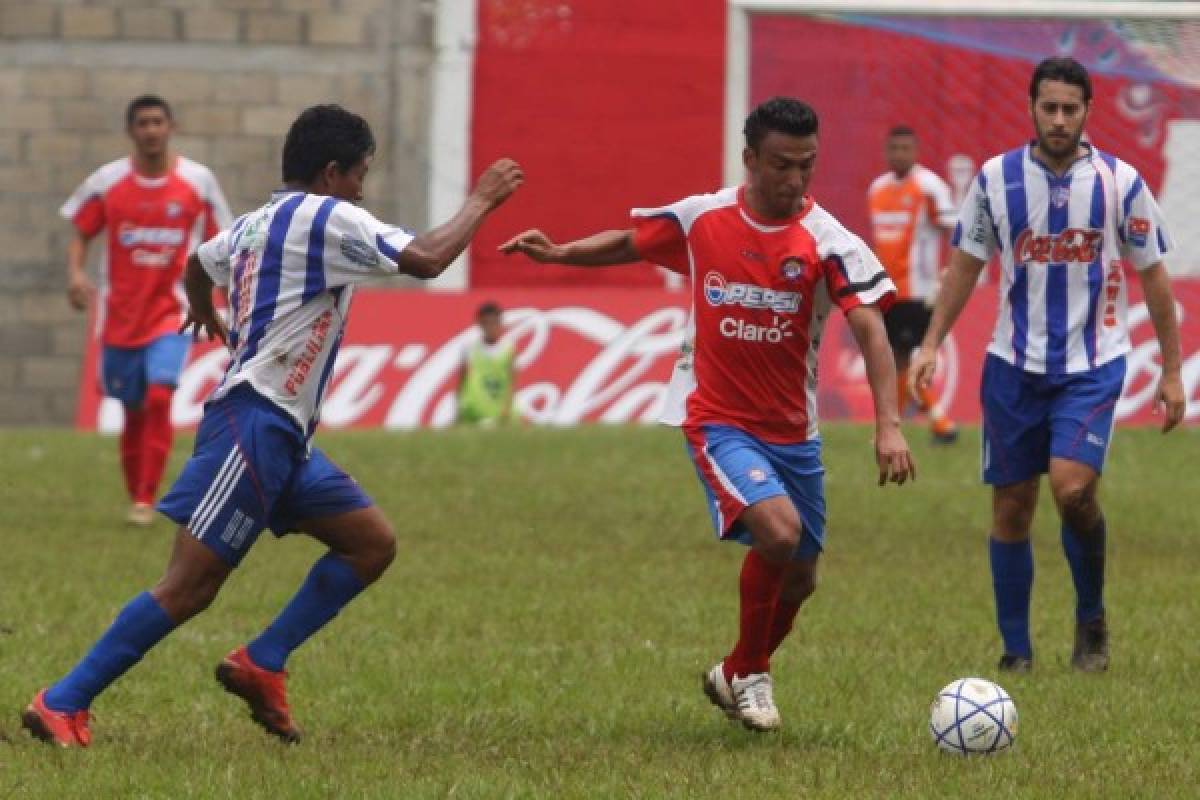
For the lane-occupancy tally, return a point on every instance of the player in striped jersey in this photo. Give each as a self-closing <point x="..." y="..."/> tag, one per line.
<point x="1064" y="217"/>
<point x="290" y="267"/>
<point x="768" y="265"/>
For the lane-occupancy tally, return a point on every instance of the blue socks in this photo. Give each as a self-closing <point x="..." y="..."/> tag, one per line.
<point x="329" y="586"/>
<point x="140" y="625"/>
<point x="1012" y="580"/>
<point x="1085" y="554"/>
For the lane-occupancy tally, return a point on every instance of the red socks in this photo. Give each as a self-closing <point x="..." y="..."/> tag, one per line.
<point x="781" y="623"/>
<point x="131" y="450"/>
<point x="146" y="443"/>
<point x="156" y="441"/>
<point x="760" y="585"/>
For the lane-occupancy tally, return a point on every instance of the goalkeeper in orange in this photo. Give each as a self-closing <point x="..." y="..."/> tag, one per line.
<point x="911" y="213"/>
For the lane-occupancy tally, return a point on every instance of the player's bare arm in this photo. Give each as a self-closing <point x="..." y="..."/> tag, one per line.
<point x="80" y="288"/>
<point x="599" y="250"/>
<point x="429" y="254"/>
<point x="891" y="450"/>
<point x="1156" y="288"/>
<point x="202" y="317"/>
<point x="959" y="281"/>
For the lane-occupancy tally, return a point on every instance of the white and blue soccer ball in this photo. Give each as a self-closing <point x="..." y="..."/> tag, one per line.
<point x="973" y="715"/>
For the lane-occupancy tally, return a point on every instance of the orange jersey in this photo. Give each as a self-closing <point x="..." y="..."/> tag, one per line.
<point x="907" y="218"/>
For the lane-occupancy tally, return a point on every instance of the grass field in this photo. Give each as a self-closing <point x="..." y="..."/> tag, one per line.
<point x="556" y="597"/>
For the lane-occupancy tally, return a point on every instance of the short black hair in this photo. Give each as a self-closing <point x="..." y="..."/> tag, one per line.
<point x="322" y="134"/>
<point x="781" y="115"/>
<point x="1061" y="68"/>
<point x="141" y="103"/>
<point x="901" y="130"/>
<point x="487" y="309"/>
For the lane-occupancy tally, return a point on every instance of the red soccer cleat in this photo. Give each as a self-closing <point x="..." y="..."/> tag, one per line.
<point x="65" y="729"/>
<point x="264" y="691"/>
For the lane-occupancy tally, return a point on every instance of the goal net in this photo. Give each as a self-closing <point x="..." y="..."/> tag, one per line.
<point x="958" y="73"/>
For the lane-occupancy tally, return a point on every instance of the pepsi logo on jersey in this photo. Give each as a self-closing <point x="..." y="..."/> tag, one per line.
<point x="132" y="236"/>
<point x="719" y="292"/>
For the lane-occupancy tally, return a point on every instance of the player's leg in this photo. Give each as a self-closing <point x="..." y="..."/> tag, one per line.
<point x="748" y="503"/>
<point x="194" y="576"/>
<point x="164" y="364"/>
<point x="1082" y="426"/>
<point x="219" y="503"/>
<point x="324" y="502"/>
<point x="1010" y="554"/>
<point x="802" y="473"/>
<point x="941" y="425"/>
<point x="123" y="376"/>
<point x="1016" y="440"/>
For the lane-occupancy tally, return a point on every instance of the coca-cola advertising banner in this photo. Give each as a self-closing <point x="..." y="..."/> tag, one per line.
<point x="602" y="356"/>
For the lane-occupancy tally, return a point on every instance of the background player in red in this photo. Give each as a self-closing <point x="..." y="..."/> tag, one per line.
<point x="767" y="265"/>
<point x="154" y="207"/>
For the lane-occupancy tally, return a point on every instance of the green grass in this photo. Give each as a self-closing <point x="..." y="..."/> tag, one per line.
<point x="556" y="597"/>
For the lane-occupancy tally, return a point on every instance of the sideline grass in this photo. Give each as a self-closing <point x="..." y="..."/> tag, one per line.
<point x="556" y="597"/>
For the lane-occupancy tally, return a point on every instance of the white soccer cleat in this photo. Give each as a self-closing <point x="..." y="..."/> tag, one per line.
<point x="755" y="698"/>
<point x="141" y="515"/>
<point x="719" y="692"/>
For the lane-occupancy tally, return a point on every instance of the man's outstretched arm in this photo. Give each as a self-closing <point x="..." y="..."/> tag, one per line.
<point x="599" y="250"/>
<point x="430" y="253"/>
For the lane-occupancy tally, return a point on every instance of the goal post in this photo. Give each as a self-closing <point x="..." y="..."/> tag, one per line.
<point x="958" y="73"/>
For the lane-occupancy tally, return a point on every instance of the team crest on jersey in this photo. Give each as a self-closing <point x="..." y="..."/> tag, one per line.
<point x="174" y="209"/>
<point x="1139" y="229"/>
<point x="1059" y="196"/>
<point x="792" y="269"/>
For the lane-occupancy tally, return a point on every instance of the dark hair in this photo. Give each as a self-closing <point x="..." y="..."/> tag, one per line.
<point x="488" y="309"/>
<point x="901" y="130"/>
<point x="141" y="103"/>
<point x="781" y="115"/>
<point x="322" y="134"/>
<point x="1061" y="68"/>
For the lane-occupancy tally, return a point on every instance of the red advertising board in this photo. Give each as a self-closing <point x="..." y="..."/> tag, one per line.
<point x="603" y="355"/>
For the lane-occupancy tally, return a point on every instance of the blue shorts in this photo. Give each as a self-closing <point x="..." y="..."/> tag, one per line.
<point x="249" y="471"/>
<point x="738" y="470"/>
<point x="125" y="372"/>
<point x="1030" y="418"/>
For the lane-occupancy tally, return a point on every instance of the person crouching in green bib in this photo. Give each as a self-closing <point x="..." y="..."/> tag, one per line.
<point x="485" y="388"/>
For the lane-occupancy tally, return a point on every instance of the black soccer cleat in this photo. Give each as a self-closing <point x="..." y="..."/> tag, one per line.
<point x="1091" y="646"/>
<point x="1019" y="665"/>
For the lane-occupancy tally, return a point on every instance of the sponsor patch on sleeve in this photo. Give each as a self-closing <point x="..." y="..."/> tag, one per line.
<point x="1139" y="230"/>
<point x="359" y="252"/>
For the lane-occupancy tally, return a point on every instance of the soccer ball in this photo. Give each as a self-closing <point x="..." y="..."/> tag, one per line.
<point x="973" y="715"/>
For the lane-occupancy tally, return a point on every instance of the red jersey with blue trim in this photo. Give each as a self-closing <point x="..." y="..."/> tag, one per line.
<point x="152" y="224"/>
<point x="761" y="292"/>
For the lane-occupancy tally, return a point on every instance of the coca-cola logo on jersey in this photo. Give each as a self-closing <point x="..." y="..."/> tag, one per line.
<point x="1071" y="246"/>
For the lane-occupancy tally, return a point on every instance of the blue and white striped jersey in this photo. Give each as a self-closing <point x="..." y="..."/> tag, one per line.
<point x="1062" y="241"/>
<point x="291" y="267"/>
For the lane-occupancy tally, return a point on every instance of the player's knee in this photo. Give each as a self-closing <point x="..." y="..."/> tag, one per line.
<point x="181" y="602"/>
<point x="779" y="543"/>
<point x="377" y="553"/>
<point x="1078" y="507"/>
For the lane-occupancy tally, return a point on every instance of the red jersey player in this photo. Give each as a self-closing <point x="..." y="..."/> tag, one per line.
<point x="155" y="207"/>
<point x="767" y="265"/>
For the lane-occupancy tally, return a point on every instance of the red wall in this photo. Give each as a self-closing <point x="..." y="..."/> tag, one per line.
<point x="607" y="104"/>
